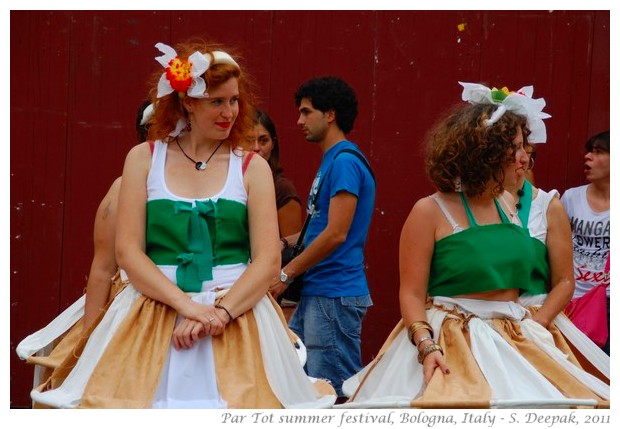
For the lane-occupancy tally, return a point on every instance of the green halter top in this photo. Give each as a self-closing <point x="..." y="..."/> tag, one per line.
<point x="482" y="258"/>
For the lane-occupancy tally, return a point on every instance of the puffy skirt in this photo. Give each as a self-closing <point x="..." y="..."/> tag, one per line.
<point x="125" y="360"/>
<point x="498" y="358"/>
<point x="48" y="347"/>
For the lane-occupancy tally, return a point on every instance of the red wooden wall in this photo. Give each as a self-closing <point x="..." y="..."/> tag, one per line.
<point x="82" y="76"/>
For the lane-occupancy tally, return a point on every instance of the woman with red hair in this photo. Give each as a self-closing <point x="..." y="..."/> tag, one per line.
<point x="194" y="327"/>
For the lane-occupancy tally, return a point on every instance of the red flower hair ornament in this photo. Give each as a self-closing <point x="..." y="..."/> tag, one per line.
<point x="184" y="75"/>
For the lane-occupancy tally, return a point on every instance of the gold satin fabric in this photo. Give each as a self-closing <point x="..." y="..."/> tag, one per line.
<point x="128" y="373"/>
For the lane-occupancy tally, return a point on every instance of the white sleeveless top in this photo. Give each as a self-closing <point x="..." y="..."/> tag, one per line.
<point x="156" y="182"/>
<point x="537" y="220"/>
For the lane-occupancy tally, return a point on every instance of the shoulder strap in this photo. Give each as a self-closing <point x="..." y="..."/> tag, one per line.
<point x="472" y="219"/>
<point x="361" y="158"/>
<point x="302" y="233"/>
<point x="470" y="215"/>
<point x="313" y="204"/>
<point x="526" y="203"/>
<point x="246" y="162"/>
<point x="502" y="215"/>
<point x="455" y="226"/>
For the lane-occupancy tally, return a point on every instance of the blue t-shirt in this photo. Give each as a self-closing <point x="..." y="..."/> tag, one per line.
<point x="341" y="273"/>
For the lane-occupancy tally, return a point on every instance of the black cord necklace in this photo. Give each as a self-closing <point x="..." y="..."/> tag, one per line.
<point x="200" y="165"/>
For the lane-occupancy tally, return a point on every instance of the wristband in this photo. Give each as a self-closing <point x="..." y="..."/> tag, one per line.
<point x="230" y="318"/>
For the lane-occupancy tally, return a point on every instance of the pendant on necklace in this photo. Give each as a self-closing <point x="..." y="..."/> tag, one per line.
<point x="199" y="165"/>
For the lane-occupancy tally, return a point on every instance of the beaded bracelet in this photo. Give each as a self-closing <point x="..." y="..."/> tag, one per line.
<point x="230" y="318"/>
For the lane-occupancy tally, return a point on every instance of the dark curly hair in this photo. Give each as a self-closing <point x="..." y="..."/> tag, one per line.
<point x="461" y="147"/>
<point x="169" y="109"/>
<point x="331" y="92"/>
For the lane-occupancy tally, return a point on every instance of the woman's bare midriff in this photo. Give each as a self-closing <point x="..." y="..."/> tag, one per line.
<point x="493" y="295"/>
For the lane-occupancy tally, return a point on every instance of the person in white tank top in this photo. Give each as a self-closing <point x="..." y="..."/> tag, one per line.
<point x="588" y="210"/>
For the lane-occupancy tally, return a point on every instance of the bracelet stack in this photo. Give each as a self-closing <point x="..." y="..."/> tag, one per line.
<point x="424" y="339"/>
<point x="428" y="349"/>
<point x="415" y="327"/>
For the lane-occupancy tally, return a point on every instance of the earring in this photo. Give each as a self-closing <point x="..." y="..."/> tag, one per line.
<point x="188" y="127"/>
<point x="530" y="164"/>
<point x="457" y="185"/>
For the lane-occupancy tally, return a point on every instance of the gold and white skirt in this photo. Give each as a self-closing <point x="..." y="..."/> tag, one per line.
<point x="127" y="361"/>
<point x="498" y="358"/>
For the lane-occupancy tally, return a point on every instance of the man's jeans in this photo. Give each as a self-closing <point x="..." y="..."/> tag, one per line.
<point x="331" y="330"/>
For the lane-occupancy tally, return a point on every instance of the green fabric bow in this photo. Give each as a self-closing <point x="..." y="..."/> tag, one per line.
<point x="196" y="265"/>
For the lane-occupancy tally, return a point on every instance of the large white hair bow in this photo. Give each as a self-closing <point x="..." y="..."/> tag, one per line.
<point x="185" y="75"/>
<point x="520" y="102"/>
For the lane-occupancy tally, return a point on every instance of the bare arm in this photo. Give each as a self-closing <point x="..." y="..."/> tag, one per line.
<point x="104" y="264"/>
<point x="560" y="253"/>
<point x="417" y="242"/>
<point x="265" y="246"/>
<point x="339" y="219"/>
<point x="289" y="218"/>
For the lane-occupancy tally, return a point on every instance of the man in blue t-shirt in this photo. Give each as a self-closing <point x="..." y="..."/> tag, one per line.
<point x="335" y="294"/>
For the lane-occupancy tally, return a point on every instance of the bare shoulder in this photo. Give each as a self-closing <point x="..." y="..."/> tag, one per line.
<point x="427" y="219"/>
<point x="115" y="187"/>
<point x="427" y="206"/>
<point x="421" y="224"/>
<point x="256" y="165"/>
<point x="423" y="211"/>
<point x="140" y="151"/>
<point x="556" y="209"/>
<point x="112" y="195"/>
<point x="257" y="176"/>
<point x="142" y="148"/>
<point x="138" y="159"/>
